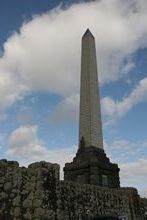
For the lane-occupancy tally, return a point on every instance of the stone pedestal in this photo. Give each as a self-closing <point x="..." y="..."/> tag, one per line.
<point x="92" y="166"/>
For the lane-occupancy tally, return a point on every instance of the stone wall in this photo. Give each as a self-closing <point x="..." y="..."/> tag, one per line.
<point x="28" y="193"/>
<point x="143" y="202"/>
<point x="76" y="201"/>
<point x="36" y="193"/>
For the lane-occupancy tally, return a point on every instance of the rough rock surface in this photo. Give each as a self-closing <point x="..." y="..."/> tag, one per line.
<point x="36" y="193"/>
<point x="28" y="193"/>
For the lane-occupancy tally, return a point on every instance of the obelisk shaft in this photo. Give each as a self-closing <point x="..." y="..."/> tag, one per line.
<point x="90" y="129"/>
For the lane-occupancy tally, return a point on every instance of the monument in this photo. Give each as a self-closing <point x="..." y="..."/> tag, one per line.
<point x="37" y="192"/>
<point x="91" y="165"/>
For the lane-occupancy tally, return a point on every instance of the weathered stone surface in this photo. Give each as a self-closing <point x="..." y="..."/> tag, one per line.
<point x="53" y="199"/>
<point x="89" y="166"/>
<point x="27" y="193"/>
<point x="37" y="203"/>
<point x="17" y="211"/>
<point x="7" y="186"/>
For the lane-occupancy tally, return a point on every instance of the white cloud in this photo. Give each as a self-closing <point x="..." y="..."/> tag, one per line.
<point x="134" y="173"/>
<point x="11" y="90"/>
<point x="124" y="151"/>
<point x="113" y="110"/>
<point x="143" y="193"/>
<point x="45" y="54"/>
<point x="24" y="143"/>
<point x="128" y="67"/>
<point x="66" y="110"/>
<point x="132" y="161"/>
<point x="26" y="147"/>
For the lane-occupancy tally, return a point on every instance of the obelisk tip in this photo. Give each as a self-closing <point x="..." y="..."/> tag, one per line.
<point x="88" y="34"/>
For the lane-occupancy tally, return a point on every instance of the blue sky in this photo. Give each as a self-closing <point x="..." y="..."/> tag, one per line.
<point x="40" y="45"/>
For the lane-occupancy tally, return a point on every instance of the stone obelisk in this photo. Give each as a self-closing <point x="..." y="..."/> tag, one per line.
<point x="90" y="127"/>
<point x="91" y="165"/>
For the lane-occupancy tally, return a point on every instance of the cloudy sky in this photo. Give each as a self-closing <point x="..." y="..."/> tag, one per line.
<point x="40" y="46"/>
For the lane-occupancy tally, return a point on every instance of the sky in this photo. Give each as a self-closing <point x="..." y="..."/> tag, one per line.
<point x="40" y="54"/>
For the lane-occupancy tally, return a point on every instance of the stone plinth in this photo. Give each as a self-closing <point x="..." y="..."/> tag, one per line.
<point x="92" y="166"/>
